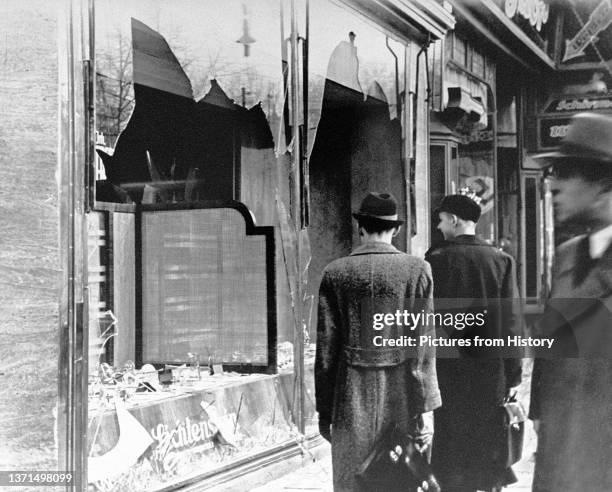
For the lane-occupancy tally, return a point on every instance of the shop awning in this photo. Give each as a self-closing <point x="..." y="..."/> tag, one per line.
<point x="487" y="18"/>
<point x="409" y="18"/>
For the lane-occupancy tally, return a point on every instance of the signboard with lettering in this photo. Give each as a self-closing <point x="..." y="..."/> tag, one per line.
<point x="551" y="131"/>
<point x="534" y="17"/>
<point x="561" y="105"/>
<point x="188" y="434"/>
<point x="587" y="33"/>
<point x="535" y="11"/>
<point x="599" y="20"/>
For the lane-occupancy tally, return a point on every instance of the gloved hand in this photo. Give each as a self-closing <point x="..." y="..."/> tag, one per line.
<point x="423" y="430"/>
<point x="325" y="429"/>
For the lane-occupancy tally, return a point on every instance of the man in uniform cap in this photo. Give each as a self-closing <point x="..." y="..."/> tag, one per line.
<point x="362" y="385"/>
<point x="571" y="391"/>
<point x="471" y="275"/>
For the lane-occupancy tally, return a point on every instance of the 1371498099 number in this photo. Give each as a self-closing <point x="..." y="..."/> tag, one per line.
<point x="15" y="478"/>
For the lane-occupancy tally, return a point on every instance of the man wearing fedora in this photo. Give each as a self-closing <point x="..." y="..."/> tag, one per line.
<point x="571" y="390"/>
<point x="362" y="386"/>
<point x="471" y="274"/>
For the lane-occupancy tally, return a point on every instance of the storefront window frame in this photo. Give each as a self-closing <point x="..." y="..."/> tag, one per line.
<point x="80" y="152"/>
<point x="75" y="448"/>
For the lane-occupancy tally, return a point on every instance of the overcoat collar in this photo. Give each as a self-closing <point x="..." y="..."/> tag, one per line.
<point x="598" y="283"/>
<point x="375" y="248"/>
<point x="467" y="239"/>
<point x="463" y="240"/>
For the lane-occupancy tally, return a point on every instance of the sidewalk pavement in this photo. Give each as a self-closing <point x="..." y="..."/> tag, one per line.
<point x="317" y="476"/>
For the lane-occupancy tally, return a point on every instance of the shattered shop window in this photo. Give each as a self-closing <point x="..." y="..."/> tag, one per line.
<point x="189" y="102"/>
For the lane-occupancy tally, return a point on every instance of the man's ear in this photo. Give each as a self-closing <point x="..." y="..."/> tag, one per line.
<point x="396" y="230"/>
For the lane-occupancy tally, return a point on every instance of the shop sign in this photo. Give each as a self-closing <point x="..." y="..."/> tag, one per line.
<point x="599" y="20"/>
<point x="186" y="433"/>
<point x="552" y="130"/>
<point x="535" y="11"/>
<point x="579" y="104"/>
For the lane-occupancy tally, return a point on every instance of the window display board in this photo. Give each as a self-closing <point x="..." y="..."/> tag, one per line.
<point x="149" y="441"/>
<point x="207" y="288"/>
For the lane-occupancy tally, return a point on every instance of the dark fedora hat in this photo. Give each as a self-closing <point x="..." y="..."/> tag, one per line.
<point x="379" y="208"/>
<point x="588" y="138"/>
<point x="460" y="205"/>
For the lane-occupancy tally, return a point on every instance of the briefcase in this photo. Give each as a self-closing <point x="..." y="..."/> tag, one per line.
<point x="395" y="465"/>
<point x="514" y="417"/>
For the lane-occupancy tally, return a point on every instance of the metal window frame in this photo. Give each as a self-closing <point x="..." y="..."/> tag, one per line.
<point x="251" y="230"/>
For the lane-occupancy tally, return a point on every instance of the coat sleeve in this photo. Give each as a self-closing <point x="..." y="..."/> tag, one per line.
<point x="424" y="391"/>
<point x="540" y="365"/>
<point x="512" y="314"/>
<point x="536" y="377"/>
<point x="329" y="344"/>
<point x="439" y="270"/>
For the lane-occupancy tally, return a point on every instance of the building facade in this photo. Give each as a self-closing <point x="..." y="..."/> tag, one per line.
<point x="495" y="63"/>
<point x="211" y="154"/>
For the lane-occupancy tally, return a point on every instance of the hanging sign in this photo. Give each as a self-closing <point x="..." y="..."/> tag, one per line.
<point x="570" y="104"/>
<point x="535" y="11"/>
<point x="599" y="20"/>
<point x="551" y="131"/>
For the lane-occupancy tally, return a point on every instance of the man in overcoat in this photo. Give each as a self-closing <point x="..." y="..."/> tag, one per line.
<point x="362" y="384"/>
<point x="469" y="272"/>
<point x="571" y="392"/>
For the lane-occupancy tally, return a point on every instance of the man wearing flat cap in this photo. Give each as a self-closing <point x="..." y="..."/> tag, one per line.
<point x="363" y="385"/>
<point x="571" y="391"/>
<point x="471" y="274"/>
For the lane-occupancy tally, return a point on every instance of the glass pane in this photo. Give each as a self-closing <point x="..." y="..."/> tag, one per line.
<point x="204" y="288"/>
<point x="531" y="238"/>
<point x="101" y="325"/>
<point x="437" y="186"/>
<point x="206" y="122"/>
<point x="478" y="63"/>
<point x="476" y="171"/>
<point x="191" y="97"/>
<point x="477" y="162"/>
<point x="507" y="174"/>
<point x="356" y="136"/>
<point x="356" y="94"/>
<point x="459" y="51"/>
<point x="189" y="102"/>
